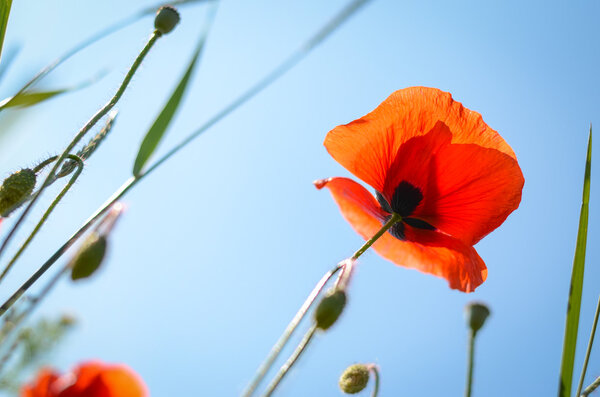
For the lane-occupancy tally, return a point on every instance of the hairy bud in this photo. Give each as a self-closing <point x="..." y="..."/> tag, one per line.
<point x="89" y="258"/>
<point x="354" y="379"/>
<point x="330" y="308"/>
<point x="475" y="314"/>
<point x="166" y="19"/>
<point x="15" y="189"/>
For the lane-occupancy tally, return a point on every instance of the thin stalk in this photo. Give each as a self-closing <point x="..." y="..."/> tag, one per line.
<point x="470" y="362"/>
<point x="588" y="390"/>
<point x="272" y="77"/>
<point x="291" y="361"/>
<point x="375" y="371"/>
<point x="391" y="222"/>
<point x="46" y="214"/>
<point x="341" y="282"/>
<point x="285" y="337"/>
<point x="589" y="349"/>
<point x="101" y="113"/>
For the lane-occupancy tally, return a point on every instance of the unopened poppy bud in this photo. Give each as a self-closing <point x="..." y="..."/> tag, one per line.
<point x="475" y="314"/>
<point x="330" y="308"/>
<point x="89" y="257"/>
<point x="15" y="189"/>
<point x="354" y="379"/>
<point x="166" y="19"/>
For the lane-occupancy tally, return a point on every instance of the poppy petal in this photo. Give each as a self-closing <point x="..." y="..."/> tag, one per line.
<point x="42" y="386"/>
<point x="117" y="381"/>
<point x="367" y="147"/>
<point x="471" y="190"/>
<point x="425" y="250"/>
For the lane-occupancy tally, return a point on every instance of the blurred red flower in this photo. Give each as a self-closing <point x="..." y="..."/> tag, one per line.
<point x="90" y="379"/>
<point x="449" y="176"/>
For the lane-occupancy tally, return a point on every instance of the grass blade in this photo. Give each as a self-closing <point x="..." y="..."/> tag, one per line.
<point x="5" y="6"/>
<point x="30" y="98"/>
<point x="158" y="129"/>
<point x="574" y="305"/>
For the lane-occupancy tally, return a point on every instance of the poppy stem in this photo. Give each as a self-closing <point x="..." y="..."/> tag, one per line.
<point x="373" y="368"/>
<point x="589" y="349"/>
<point x="292" y="360"/>
<point x="285" y="337"/>
<point x="470" y="362"/>
<point x="391" y="222"/>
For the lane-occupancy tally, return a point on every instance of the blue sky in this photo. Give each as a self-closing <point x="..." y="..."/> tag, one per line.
<point x="222" y="244"/>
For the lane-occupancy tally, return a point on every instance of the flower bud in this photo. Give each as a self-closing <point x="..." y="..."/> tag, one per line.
<point x="166" y="19"/>
<point x="89" y="257"/>
<point x="354" y="379"/>
<point x="475" y="314"/>
<point x="330" y="308"/>
<point x="15" y="189"/>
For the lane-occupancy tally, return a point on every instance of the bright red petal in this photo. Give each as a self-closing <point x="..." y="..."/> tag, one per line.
<point x="428" y="251"/>
<point x="471" y="191"/>
<point x="42" y="386"/>
<point x="96" y="379"/>
<point x="368" y="147"/>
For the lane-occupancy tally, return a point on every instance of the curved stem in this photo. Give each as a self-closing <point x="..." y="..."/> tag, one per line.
<point x="395" y="218"/>
<point x="46" y="214"/>
<point x="375" y="371"/>
<point x="589" y="349"/>
<point x="470" y="362"/>
<point x="44" y="163"/>
<point x="101" y="113"/>
<point x="291" y="361"/>
<point x="285" y="337"/>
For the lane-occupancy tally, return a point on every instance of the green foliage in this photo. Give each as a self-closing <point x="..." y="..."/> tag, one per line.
<point x="574" y="305"/>
<point x="30" y="347"/>
<point x="158" y="129"/>
<point x="5" y="6"/>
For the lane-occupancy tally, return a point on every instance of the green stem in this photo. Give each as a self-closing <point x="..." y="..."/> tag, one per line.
<point x="588" y="390"/>
<point x="373" y="368"/>
<point x="101" y="113"/>
<point x="589" y="349"/>
<point x="44" y="163"/>
<point x="269" y="79"/>
<point x="291" y="361"/>
<point x="284" y="338"/>
<point x="391" y="222"/>
<point x="470" y="363"/>
<point x="46" y="215"/>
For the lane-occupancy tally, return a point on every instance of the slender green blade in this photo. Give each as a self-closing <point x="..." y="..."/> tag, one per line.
<point x="5" y="6"/>
<point x="29" y="98"/>
<point x="158" y="129"/>
<point x="574" y="305"/>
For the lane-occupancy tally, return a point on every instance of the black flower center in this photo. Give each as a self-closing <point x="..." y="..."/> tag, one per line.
<point x="405" y="201"/>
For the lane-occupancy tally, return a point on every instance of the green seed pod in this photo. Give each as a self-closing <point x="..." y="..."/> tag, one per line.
<point x="89" y="257"/>
<point x="166" y="19"/>
<point x="354" y="379"/>
<point x="330" y="308"/>
<point x="15" y="189"/>
<point x="475" y="314"/>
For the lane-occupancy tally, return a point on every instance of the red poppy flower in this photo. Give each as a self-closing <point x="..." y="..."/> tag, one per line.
<point x="90" y="379"/>
<point x="449" y="176"/>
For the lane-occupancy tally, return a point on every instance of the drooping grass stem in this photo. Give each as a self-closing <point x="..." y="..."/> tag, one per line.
<point x="373" y="368"/>
<point x="101" y="113"/>
<point x="589" y="349"/>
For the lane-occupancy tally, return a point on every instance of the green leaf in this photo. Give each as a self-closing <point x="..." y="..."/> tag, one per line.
<point x="158" y="129"/>
<point x="4" y="12"/>
<point x="574" y="305"/>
